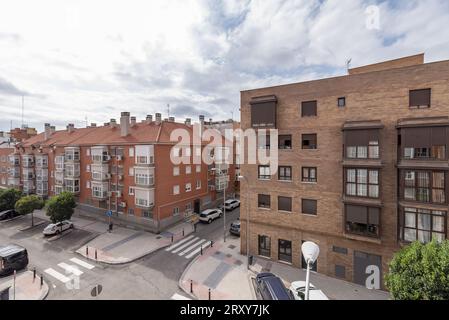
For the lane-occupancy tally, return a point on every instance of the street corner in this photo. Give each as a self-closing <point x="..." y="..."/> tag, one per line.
<point x="24" y="286"/>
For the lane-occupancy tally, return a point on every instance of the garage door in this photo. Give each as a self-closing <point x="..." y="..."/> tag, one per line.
<point x="362" y="261"/>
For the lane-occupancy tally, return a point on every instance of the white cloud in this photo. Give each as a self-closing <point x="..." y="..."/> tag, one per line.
<point x="97" y="58"/>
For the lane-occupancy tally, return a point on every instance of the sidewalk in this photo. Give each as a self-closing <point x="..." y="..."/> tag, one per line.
<point x="26" y="288"/>
<point x="222" y="269"/>
<point x="124" y="245"/>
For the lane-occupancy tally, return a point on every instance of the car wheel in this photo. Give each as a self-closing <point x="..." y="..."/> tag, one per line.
<point x="209" y="221"/>
<point x="72" y="226"/>
<point x="58" y="232"/>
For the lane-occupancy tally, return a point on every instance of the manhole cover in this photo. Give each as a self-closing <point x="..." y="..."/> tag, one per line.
<point x="231" y="246"/>
<point x="229" y="255"/>
<point x="96" y="290"/>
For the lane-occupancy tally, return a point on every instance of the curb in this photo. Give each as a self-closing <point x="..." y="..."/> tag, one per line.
<point x="10" y="220"/>
<point x="32" y="227"/>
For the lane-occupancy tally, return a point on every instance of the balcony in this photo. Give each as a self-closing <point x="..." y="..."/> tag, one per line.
<point x="100" y="172"/>
<point x="14" y="160"/>
<point x="59" y="179"/>
<point x="144" y="177"/>
<point x="59" y="163"/>
<point x="72" y="154"/>
<point x="14" y="172"/>
<point x="41" y="174"/>
<point x="99" y="154"/>
<point x="100" y="190"/>
<point x="72" y="185"/>
<point x="28" y="187"/>
<point x="14" y="182"/>
<point x="144" y="198"/>
<point x="28" y="174"/>
<point x="27" y="161"/>
<point x="42" y="161"/>
<point x="144" y="156"/>
<point x="72" y="170"/>
<point x="42" y="188"/>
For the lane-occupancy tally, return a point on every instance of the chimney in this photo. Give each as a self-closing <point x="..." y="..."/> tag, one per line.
<point x="124" y="124"/>
<point x="70" y="127"/>
<point x="133" y="121"/>
<point x="210" y="120"/>
<point x="93" y="125"/>
<point x="47" y="132"/>
<point x="188" y="121"/>
<point x="158" y="118"/>
<point x="171" y="119"/>
<point x="201" y="119"/>
<point x="106" y="124"/>
<point x="52" y="130"/>
<point x="113" y="123"/>
<point x="149" y="118"/>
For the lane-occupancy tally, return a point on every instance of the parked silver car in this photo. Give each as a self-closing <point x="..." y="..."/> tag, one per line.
<point x="57" y="228"/>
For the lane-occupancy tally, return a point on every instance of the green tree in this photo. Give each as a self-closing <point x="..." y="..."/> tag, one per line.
<point x="61" y="207"/>
<point x="420" y="272"/>
<point x="8" y="199"/>
<point x="28" y="204"/>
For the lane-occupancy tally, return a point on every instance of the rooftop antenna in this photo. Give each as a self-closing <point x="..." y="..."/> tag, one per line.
<point x="85" y="118"/>
<point x="348" y="64"/>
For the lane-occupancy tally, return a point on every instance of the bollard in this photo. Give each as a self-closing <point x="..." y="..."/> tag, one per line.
<point x="209" y="293"/>
<point x="211" y="244"/>
<point x="172" y="238"/>
<point x="87" y="251"/>
<point x="34" y="274"/>
<point x="191" y="286"/>
<point x="96" y="254"/>
<point x="201" y="249"/>
<point x="42" y="280"/>
<point x="183" y="232"/>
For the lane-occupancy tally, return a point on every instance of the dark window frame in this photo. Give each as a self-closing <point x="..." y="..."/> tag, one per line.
<point x="265" y="250"/>
<point x="283" y="173"/>
<point x="263" y="176"/>
<point x="415" y="95"/>
<point x="303" y="211"/>
<point x="341" y="105"/>
<point x="264" y="204"/>
<point x="285" y="252"/>
<point x="423" y="194"/>
<point x="309" y="109"/>
<point x="417" y="212"/>
<point x="366" y="233"/>
<point x="291" y="204"/>
<point x="368" y="183"/>
<point x="281" y="142"/>
<point x="308" y="178"/>
<point x="310" y="145"/>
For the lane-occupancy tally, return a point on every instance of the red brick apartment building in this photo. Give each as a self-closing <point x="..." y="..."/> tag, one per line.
<point x="363" y="166"/>
<point x="124" y="167"/>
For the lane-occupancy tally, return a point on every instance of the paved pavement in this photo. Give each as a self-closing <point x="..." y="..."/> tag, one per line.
<point x="25" y="287"/>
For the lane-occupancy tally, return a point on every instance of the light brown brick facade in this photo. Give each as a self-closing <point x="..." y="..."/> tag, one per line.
<point x="372" y="93"/>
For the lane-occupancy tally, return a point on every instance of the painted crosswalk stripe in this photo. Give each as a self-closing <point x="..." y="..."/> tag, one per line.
<point x="193" y="246"/>
<point x="179" y="297"/>
<point x="82" y="263"/>
<point x="185" y="245"/>
<point x="57" y="275"/>
<point x="70" y="269"/>
<point x="177" y="244"/>
<point x="191" y="254"/>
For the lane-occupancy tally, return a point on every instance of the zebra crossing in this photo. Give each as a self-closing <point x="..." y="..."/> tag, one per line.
<point x="188" y="247"/>
<point x="69" y="270"/>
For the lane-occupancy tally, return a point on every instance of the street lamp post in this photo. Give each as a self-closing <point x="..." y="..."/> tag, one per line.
<point x="220" y="175"/>
<point x="310" y="252"/>
<point x="247" y="219"/>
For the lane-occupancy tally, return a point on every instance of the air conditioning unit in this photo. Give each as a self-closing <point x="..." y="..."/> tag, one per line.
<point x="122" y="204"/>
<point x="118" y="193"/>
<point x="108" y="175"/>
<point x="120" y="177"/>
<point x="107" y="158"/>
<point x="119" y="158"/>
<point x="109" y="194"/>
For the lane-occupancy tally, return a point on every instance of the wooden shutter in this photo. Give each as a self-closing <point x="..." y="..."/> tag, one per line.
<point x="309" y="109"/>
<point x="420" y="97"/>
<point x="284" y="204"/>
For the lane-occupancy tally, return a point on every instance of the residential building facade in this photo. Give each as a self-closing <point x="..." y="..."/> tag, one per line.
<point x="363" y="167"/>
<point x="121" y="167"/>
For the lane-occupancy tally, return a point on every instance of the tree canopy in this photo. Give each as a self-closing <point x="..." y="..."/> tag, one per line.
<point x="8" y="198"/>
<point x="28" y="204"/>
<point x="61" y="207"/>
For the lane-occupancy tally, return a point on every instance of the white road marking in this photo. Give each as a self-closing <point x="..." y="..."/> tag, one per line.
<point x="191" y="254"/>
<point x="185" y="245"/>
<point x="57" y="275"/>
<point x="70" y="269"/>
<point x="177" y="244"/>
<point x="192" y="247"/>
<point x="179" y="297"/>
<point x="82" y="263"/>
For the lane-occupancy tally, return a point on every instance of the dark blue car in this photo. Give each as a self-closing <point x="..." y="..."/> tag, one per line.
<point x="271" y="287"/>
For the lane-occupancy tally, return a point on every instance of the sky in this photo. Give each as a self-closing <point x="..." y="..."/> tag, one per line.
<point x="77" y="61"/>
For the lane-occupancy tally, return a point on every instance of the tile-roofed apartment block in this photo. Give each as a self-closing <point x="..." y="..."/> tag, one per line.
<point x="123" y="166"/>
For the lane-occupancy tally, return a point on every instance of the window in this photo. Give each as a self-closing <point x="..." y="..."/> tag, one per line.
<point x="88" y="184"/>
<point x="188" y="187"/>
<point x="309" y="174"/>
<point x="176" y="211"/>
<point x="423" y="225"/>
<point x="176" y="171"/>
<point x="309" y="109"/>
<point x="285" y="250"/>
<point x="339" y="250"/>
<point x="420" y="99"/>
<point x="189" y="207"/>
<point x="188" y="169"/>
<point x="424" y="186"/>
<point x="264" y="201"/>
<point x="264" y="173"/>
<point x="285" y="174"/>
<point x="131" y="152"/>
<point x="362" y="220"/>
<point x="147" y="214"/>
<point x="131" y="211"/>
<point x="131" y="191"/>
<point x="285" y="204"/>
<point x="175" y="190"/>
<point x="309" y="206"/>
<point x="285" y="142"/>
<point x="341" y="102"/>
<point x="198" y="184"/>
<point x="88" y="168"/>
<point x="362" y="144"/>
<point x="263" y="141"/>
<point x="435" y="152"/>
<point x="264" y="246"/>
<point x="198" y="169"/>
<point x="263" y="112"/>
<point x="131" y="171"/>
<point x="309" y="141"/>
<point x="362" y="183"/>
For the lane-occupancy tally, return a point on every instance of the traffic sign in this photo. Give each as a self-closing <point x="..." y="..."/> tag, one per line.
<point x="109" y="213"/>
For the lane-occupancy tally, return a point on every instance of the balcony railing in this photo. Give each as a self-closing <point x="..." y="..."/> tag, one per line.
<point x="14" y="160"/>
<point x="42" y="161"/>
<point x="27" y="161"/>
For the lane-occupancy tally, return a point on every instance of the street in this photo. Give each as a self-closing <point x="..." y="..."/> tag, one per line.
<point x="154" y="276"/>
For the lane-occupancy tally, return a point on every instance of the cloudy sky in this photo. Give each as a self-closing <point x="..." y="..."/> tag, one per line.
<point x="73" y="60"/>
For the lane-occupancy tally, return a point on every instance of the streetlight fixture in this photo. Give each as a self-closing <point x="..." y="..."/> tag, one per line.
<point x="247" y="219"/>
<point x="310" y="252"/>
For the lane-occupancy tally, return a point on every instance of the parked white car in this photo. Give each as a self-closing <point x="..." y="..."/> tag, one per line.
<point x="210" y="215"/>
<point x="230" y="204"/>
<point x="57" y="228"/>
<point x="298" y="289"/>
